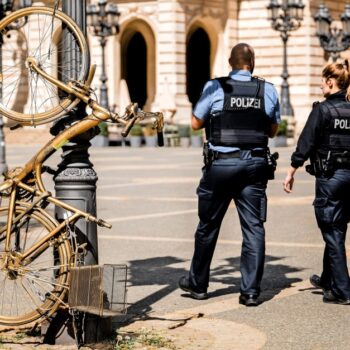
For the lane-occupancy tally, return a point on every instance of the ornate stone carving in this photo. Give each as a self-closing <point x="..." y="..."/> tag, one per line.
<point x="77" y="174"/>
<point x="147" y="10"/>
<point x="202" y="9"/>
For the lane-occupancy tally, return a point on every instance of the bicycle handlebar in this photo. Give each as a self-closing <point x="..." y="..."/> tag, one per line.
<point x="99" y="222"/>
<point x="132" y="115"/>
<point x="160" y="139"/>
<point x="103" y="223"/>
<point x="128" y="126"/>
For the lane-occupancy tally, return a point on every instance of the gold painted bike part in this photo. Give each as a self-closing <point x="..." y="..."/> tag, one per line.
<point x="28" y="234"/>
<point x="42" y="39"/>
<point x="31" y="288"/>
<point x="132" y="115"/>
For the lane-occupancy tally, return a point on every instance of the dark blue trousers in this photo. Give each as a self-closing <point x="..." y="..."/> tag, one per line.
<point x="332" y="210"/>
<point x="243" y="180"/>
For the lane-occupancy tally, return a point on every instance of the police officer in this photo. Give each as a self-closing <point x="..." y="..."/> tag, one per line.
<point x="239" y="113"/>
<point x="325" y="140"/>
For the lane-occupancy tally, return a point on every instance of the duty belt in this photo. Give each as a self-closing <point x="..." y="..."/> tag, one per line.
<point x="239" y="154"/>
<point x="326" y="164"/>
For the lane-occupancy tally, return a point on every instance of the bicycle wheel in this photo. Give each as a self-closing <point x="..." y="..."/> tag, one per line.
<point x="31" y="289"/>
<point x="59" y="47"/>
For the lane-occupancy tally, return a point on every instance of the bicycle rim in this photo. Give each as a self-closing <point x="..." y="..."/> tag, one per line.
<point x="33" y="289"/>
<point x="59" y="48"/>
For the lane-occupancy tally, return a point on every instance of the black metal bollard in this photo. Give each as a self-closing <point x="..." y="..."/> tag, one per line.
<point x="75" y="183"/>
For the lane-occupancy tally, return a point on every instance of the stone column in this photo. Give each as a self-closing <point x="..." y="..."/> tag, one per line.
<point x="171" y="46"/>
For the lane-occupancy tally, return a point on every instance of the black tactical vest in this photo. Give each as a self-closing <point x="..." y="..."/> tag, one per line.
<point x="336" y="133"/>
<point x="243" y="121"/>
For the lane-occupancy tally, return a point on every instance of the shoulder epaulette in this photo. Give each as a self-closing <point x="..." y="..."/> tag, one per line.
<point x="259" y="78"/>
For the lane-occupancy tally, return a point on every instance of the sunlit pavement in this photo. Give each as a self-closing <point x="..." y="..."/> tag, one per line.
<point x="149" y="197"/>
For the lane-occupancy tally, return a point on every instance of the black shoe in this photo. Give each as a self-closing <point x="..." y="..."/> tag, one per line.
<point x="330" y="298"/>
<point x="315" y="280"/>
<point x="248" y="300"/>
<point x="184" y="284"/>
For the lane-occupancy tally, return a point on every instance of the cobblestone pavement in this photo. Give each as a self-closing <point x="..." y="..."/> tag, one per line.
<point x="149" y="197"/>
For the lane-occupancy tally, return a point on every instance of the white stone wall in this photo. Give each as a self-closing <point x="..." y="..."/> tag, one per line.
<point x="227" y="23"/>
<point x="166" y="25"/>
<point x="305" y="56"/>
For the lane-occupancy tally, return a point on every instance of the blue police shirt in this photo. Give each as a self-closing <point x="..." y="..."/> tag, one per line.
<point x="212" y="99"/>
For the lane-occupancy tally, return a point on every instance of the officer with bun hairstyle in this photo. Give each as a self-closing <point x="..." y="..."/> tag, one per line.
<point x="325" y="140"/>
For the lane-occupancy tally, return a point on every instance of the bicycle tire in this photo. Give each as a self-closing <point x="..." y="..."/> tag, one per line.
<point x="33" y="289"/>
<point x="27" y="98"/>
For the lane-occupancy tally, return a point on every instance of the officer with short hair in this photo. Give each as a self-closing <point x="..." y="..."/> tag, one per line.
<point x="325" y="140"/>
<point x="239" y="113"/>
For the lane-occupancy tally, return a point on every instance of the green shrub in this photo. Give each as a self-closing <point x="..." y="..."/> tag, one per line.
<point x="197" y="132"/>
<point x="103" y="129"/>
<point x="136" y="130"/>
<point x="184" y="130"/>
<point x="282" y="128"/>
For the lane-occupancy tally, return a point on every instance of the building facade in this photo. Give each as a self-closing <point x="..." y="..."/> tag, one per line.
<point x="167" y="49"/>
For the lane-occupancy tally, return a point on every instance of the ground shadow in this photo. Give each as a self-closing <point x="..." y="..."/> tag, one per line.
<point x="274" y="281"/>
<point x="161" y="271"/>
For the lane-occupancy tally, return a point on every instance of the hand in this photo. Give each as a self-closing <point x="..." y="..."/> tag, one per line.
<point x="289" y="180"/>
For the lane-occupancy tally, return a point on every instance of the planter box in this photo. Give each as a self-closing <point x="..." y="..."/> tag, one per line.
<point x="135" y="141"/>
<point x="184" y="141"/>
<point x="278" y="141"/>
<point x="196" y="141"/>
<point x="151" y="141"/>
<point x="100" y="141"/>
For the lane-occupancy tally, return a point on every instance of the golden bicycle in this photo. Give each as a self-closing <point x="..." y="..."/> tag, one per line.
<point x="37" y="253"/>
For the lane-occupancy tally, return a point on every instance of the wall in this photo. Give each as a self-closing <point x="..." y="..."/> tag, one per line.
<point x="167" y="26"/>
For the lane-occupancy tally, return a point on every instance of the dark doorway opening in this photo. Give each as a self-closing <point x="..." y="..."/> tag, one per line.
<point x="134" y="69"/>
<point x="198" y="63"/>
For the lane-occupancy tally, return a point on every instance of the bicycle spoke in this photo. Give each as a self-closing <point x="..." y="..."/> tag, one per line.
<point x="55" y="267"/>
<point x="16" y="297"/>
<point x="16" y="86"/>
<point x="30" y="296"/>
<point x="43" y="38"/>
<point x="3" y="295"/>
<point x="47" y="281"/>
<point x="47" y="290"/>
<point x="30" y="291"/>
<point x="47" y="32"/>
<point x="13" y="291"/>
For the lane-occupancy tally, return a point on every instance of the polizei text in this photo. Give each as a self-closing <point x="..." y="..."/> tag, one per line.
<point x="245" y="102"/>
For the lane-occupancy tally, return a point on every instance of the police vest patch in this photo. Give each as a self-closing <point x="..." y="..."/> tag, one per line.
<point x="343" y="124"/>
<point x="238" y="102"/>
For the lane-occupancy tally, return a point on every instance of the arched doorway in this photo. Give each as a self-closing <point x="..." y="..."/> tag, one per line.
<point x="197" y="63"/>
<point x="134" y="68"/>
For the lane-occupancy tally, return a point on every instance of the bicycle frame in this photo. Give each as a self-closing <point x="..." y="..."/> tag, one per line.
<point x="34" y="166"/>
<point x="98" y="115"/>
<point x="38" y="252"/>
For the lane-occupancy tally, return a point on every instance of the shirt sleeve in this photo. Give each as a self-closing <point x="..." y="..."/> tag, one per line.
<point x="309" y="138"/>
<point x="203" y="107"/>
<point x="272" y="105"/>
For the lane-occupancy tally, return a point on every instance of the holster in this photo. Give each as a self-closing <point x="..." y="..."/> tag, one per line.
<point x="208" y="155"/>
<point x="321" y="165"/>
<point x="315" y="167"/>
<point x="271" y="164"/>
